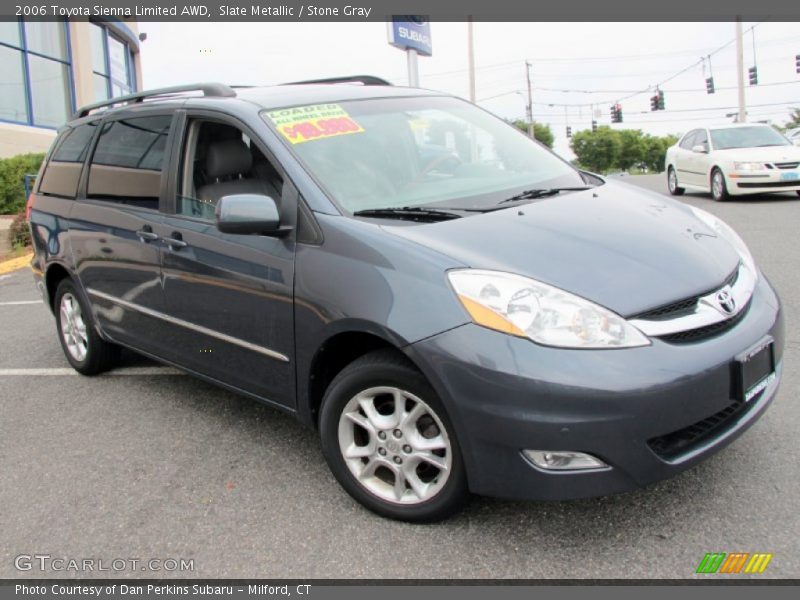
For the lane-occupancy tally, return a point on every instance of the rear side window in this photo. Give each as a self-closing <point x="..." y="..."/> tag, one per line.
<point x="60" y="177"/>
<point x="128" y="161"/>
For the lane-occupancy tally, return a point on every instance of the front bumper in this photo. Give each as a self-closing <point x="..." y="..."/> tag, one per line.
<point x="762" y="182"/>
<point x="505" y="394"/>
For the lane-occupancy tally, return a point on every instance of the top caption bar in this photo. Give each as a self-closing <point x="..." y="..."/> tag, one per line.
<point x="382" y="10"/>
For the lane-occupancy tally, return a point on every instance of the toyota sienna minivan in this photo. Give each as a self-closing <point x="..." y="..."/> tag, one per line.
<point x="453" y="307"/>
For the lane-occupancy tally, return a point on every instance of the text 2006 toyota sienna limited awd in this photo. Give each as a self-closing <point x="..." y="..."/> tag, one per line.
<point x="452" y="306"/>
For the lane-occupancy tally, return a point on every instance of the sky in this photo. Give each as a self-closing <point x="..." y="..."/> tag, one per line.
<point x="585" y="66"/>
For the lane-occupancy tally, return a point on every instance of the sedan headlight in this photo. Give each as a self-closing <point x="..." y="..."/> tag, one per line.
<point x="748" y="166"/>
<point x="547" y="315"/>
<point x="727" y="233"/>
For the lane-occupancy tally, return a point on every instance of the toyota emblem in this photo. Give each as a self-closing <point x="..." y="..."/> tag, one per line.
<point x="726" y="301"/>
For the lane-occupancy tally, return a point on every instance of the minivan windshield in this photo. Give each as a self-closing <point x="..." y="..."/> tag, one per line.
<point x="406" y="152"/>
<point x="747" y="137"/>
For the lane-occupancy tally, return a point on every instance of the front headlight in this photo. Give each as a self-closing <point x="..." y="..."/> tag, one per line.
<point x="727" y="233"/>
<point x="547" y="315"/>
<point x="748" y="166"/>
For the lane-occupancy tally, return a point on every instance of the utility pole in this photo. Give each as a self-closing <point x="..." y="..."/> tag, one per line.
<point x="530" y="100"/>
<point x="742" y="116"/>
<point x="471" y="57"/>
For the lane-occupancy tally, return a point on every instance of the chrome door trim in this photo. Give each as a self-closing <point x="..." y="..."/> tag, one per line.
<point x="181" y="323"/>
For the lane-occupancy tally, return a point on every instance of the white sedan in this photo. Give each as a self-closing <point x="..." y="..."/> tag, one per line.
<point x="733" y="160"/>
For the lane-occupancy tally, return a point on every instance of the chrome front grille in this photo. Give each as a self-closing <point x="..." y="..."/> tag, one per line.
<point x="693" y="319"/>
<point x="787" y="165"/>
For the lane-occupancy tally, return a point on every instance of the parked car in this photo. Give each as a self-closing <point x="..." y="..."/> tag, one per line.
<point x="733" y="160"/>
<point x="481" y="318"/>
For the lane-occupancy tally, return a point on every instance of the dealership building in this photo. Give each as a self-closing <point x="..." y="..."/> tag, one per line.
<point x="51" y="68"/>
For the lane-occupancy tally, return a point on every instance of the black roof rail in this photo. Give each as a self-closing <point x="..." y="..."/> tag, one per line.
<point x="364" y="79"/>
<point x="219" y="90"/>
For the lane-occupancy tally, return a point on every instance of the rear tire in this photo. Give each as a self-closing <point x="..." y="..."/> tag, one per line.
<point x="797" y="192"/>
<point x="389" y="442"/>
<point x="672" y="183"/>
<point x="719" y="189"/>
<point x="85" y="350"/>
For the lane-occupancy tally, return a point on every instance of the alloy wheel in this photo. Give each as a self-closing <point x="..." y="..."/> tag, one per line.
<point x="716" y="185"/>
<point x="395" y="445"/>
<point x="73" y="327"/>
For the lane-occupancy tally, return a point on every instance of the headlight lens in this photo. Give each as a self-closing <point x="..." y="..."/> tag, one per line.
<point x="729" y="235"/>
<point x="547" y="315"/>
<point x="748" y="166"/>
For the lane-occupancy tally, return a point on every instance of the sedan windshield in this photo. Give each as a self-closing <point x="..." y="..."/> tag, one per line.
<point x="747" y="137"/>
<point x="392" y="153"/>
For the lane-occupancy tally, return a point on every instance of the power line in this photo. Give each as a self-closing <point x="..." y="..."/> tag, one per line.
<point x="627" y="58"/>
<point x="608" y="100"/>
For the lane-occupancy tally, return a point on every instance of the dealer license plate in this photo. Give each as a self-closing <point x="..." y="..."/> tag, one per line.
<point x="756" y="370"/>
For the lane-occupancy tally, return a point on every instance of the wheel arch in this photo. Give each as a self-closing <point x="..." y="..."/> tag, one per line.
<point x="54" y="275"/>
<point x="340" y="348"/>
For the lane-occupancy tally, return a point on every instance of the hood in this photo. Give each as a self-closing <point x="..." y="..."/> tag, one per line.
<point x="620" y="246"/>
<point x="765" y="154"/>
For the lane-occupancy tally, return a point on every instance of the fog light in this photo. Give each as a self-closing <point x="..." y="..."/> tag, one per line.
<point x="562" y="460"/>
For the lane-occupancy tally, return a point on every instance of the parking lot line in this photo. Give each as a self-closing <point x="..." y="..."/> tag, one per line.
<point x="20" y="302"/>
<point x="69" y="371"/>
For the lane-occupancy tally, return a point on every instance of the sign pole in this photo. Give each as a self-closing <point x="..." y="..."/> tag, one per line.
<point x="411" y="33"/>
<point x="413" y="67"/>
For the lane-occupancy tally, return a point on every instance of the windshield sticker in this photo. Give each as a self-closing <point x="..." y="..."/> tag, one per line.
<point x="309" y="123"/>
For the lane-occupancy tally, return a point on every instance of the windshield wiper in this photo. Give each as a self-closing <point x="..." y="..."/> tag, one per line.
<point x="411" y="213"/>
<point x="541" y="193"/>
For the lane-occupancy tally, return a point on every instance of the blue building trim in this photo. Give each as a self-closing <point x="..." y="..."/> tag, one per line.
<point x="121" y="29"/>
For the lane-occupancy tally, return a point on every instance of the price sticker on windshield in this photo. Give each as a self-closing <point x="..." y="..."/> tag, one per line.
<point x="308" y="123"/>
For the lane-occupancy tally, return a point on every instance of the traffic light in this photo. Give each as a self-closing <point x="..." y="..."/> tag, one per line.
<point x="616" y="113"/>
<point x="653" y="103"/>
<point x="710" y="85"/>
<point x="594" y="125"/>
<point x="797" y="63"/>
<point x="660" y="102"/>
<point x="569" y="131"/>
<point x="753" y="72"/>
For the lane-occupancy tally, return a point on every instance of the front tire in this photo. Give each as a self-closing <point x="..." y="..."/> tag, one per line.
<point x="672" y="183"/>
<point x="719" y="189"/>
<point x="389" y="442"/>
<point x="85" y="350"/>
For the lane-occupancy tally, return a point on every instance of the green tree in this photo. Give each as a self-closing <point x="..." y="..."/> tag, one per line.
<point x="12" y="171"/>
<point x="654" y="150"/>
<point x="541" y="131"/>
<point x="631" y="148"/>
<point x="794" y="119"/>
<point x="598" y="150"/>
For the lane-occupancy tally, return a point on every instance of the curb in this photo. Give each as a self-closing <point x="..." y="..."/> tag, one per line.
<point x="14" y="264"/>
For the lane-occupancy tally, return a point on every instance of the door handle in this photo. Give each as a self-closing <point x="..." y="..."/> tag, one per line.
<point x="146" y="234"/>
<point x="176" y="241"/>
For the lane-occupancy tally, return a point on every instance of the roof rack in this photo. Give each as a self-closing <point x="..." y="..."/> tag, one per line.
<point x="364" y="79"/>
<point x="218" y="90"/>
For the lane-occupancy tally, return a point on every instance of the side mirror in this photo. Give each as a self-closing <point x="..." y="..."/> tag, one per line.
<point x="249" y="214"/>
<point x="700" y="149"/>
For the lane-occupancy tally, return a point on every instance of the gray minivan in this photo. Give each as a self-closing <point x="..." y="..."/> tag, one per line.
<point x="451" y="305"/>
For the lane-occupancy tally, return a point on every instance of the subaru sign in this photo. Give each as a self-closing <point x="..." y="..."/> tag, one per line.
<point x="411" y="32"/>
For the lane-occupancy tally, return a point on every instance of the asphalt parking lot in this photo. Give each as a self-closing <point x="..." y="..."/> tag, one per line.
<point x="147" y="463"/>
